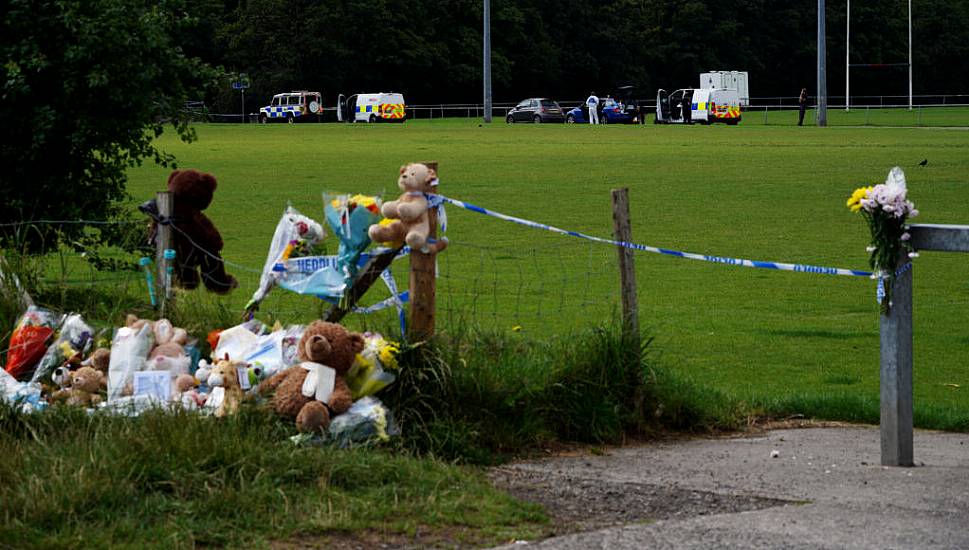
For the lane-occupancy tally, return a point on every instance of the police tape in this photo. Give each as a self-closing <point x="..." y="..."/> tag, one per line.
<point x="740" y="262"/>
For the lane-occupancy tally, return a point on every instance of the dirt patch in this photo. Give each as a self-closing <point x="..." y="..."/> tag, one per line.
<point x="580" y="504"/>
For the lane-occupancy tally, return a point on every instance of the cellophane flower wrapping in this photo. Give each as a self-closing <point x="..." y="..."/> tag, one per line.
<point x="295" y="235"/>
<point x="373" y="368"/>
<point x="886" y="208"/>
<point x="28" y="343"/>
<point x="349" y="218"/>
<point x="75" y="337"/>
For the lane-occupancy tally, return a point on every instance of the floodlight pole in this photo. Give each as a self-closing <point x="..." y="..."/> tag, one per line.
<point x="822" y="114"/>
<point x="909" y="55"/>
<point x="487" y="60"/>
<point x="847" y="57"/>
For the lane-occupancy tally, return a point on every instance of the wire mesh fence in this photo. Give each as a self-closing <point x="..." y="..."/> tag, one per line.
<point x="552" y="284"/>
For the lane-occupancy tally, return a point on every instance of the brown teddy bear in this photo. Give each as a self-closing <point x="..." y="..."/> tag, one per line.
<point x="197" y="243"/>
<point x="411" y="224"/>
<point x="322" y="345"/>
<point x="85" y="385"/>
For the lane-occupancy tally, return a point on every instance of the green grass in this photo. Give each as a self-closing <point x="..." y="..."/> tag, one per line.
<point x="521" y="359"/>
<point x="933" y="116"/>
<point x="72" y="480"/>
<point x="771" y="193"/>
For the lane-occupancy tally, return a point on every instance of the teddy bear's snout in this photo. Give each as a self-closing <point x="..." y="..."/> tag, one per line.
<point x="316" y="345"/>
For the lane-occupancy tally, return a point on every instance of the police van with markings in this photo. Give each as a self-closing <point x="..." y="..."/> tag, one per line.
<point x="292" y="107"/>
<point x="380" y="107"/>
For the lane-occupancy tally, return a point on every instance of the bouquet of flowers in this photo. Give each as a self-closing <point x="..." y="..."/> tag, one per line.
<point x="886" y="208"/>
<point x="371" y="371"/>
<point x="349" y="217"/>
<point x="296" y="235"/>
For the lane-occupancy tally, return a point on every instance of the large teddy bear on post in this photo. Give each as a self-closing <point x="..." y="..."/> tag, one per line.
<point x="198" y="244"/>
<point x="411" y="223"/>
<point x="297" y="389"/>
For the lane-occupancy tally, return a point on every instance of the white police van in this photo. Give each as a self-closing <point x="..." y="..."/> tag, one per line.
<point x="293" y="107"/>
<point x="379" y="107"/>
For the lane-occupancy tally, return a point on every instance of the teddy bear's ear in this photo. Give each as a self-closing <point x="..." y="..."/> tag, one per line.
<point x="226" y="356"/>
<point x="431" y="175"/>
<point x="403" y="168"/>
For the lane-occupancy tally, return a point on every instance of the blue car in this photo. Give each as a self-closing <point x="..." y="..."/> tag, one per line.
<point x="610" y="112"/>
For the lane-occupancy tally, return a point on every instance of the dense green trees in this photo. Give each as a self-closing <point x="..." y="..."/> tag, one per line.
<point x="87" y="86"/>
<point x="431" y="49"/>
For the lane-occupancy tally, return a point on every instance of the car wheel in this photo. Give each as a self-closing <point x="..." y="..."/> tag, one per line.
<point x="570" y="119"/>
<point x="373" y="118"/>
<point x="509" y="119"/>
<point x="290" y="119"/>
<point x="537" y="119"/>
<point x="263" y="119"/>
<point x="603" y="119"/>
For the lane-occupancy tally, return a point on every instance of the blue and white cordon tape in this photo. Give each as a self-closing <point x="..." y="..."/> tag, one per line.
<point x="801" y="268"/>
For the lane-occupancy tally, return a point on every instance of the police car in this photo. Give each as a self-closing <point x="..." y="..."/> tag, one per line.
<point x="379" y="107"/>
<point x="293" y="107"/>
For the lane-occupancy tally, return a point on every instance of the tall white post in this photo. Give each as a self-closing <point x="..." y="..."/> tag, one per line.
<point x="909" y="55"/>
<point x="847" y="57"/>
<point x="487" y="60"/>
<point x="822" y="102"/>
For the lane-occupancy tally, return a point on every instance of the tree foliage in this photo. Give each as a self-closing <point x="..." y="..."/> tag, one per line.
<point x="431" y="50"/>
<point x="88" y="85"/>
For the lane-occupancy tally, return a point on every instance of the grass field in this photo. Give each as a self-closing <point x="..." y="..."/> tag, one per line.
<point x="777" y="340"/>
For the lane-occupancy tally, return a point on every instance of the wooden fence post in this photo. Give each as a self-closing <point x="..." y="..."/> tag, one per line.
<point x="423" y="274"/>
<point x="627" y="271"/>
<point x="163" y="242"/>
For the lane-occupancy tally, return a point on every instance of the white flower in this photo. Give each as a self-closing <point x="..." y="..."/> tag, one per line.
<point x="871" y="248"/>
<point x="913" y="254"/>
<point x="906" y="236"/>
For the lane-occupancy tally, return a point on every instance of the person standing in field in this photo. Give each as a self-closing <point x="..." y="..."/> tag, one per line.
<point x="801" y="105"/>
<point x="593" y="103"/>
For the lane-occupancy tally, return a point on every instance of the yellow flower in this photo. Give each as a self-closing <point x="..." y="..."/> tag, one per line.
<point x="854" y="202"/>
<point x="516" y="328"/>
<point x="387" y="354"/>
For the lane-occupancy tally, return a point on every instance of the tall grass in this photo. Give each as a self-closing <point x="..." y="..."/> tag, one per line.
<point x="478" y="395"/>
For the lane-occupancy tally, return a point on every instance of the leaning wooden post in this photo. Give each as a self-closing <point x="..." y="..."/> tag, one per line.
<point x="896" y="373"/>
<point x="163" y="242"/>
<point x="627" y="270"/>
<point x="423" y="273"/>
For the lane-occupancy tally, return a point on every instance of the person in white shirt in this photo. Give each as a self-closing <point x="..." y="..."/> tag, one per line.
<point x="593" y="103"/>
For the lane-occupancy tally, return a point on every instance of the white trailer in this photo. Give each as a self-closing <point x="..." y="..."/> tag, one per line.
<point x="728" y="80"/>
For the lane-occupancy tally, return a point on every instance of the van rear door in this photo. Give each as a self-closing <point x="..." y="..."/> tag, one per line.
<point x="701" y="105"/>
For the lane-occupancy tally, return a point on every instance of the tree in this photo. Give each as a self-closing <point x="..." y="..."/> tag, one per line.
<point x="88" y="85"/>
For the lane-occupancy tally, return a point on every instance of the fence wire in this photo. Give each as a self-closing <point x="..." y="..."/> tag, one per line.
<point x="552" y="283"/>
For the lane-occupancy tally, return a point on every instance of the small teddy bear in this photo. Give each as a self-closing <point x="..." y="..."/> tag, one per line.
<point x="85" y="384"/>
<point x="324" y="347"/>
<point x="224" y="380"/>
<point x="411" y="223"/>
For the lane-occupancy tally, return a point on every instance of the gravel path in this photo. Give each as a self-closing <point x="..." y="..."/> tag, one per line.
<point x="787" y="488"/>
